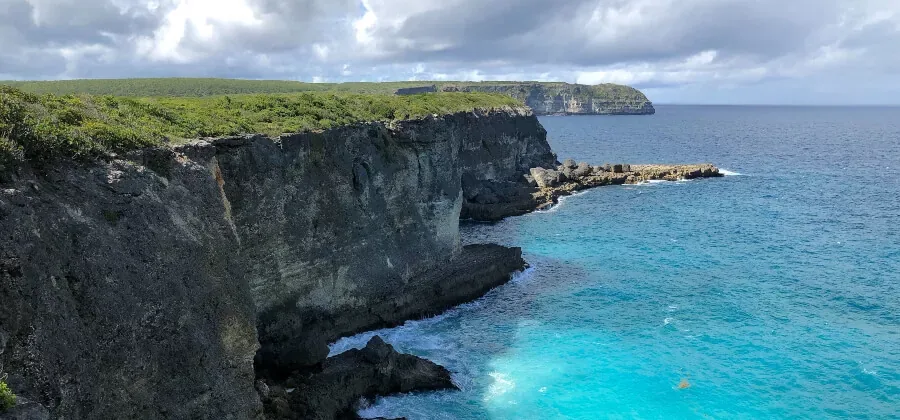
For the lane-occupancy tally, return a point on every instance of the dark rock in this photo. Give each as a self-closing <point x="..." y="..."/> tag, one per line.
<point x="375" y="370"/>
<point x="416" y="90"/>
<point x="121" y="294"/>
<point x="26" y="410"/>
<point x="137" y="288"/>
<point x="626" y="168"/>
<point x="476" y="270"/>
<point x="617" y="168"/>
<point x="496" y="154"/>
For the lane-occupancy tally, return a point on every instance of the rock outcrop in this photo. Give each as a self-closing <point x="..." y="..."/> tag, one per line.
<point x="416" y="90"/>
<point x="551" y="184"/>
<point x="334" y="391"/>
<point x="143" y="285"/>
<point x="544" y="185"/>
<point x="120" y="294"/>
<point x="341" y="231"/>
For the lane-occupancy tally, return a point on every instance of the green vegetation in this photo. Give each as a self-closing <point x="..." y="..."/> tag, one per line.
<point x="211" y="87"/>
<point x="44" y="128"/>
<point x="7" y="398"/>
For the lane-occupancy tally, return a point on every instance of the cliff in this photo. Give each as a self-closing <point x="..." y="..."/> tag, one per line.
<point x="543" y="97"/>
<point x="142" y="285"/>
<point x="121" y="293"/>
<point x="552" y="98"/>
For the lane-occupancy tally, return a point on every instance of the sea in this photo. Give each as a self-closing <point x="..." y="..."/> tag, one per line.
<point x="770" y="293"/>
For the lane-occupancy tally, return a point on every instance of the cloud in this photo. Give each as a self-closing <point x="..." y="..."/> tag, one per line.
<point x="667" y="46"/>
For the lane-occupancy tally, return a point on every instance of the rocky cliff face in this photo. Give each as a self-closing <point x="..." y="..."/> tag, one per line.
<point x="121" y="296"/>
<point x="135" y="288"/>
<point x="552" y="98"/>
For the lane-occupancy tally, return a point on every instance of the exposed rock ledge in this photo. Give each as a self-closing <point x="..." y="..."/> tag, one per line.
<point x="543" y="187"/>
<point x="375" y="370"/>
<point x="571" y="177"/>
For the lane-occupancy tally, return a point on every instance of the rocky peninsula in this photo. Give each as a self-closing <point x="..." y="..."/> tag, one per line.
<point x="206" y="279"/>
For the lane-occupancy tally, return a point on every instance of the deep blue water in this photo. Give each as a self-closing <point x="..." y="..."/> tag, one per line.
<point x="775" y="293"/>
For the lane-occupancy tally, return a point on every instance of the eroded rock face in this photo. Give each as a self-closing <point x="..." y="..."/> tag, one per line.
<point x="121" y="296"/>
<point x="495" y="156"/>
<point x="334" y="227"/>
<point x="375" y="370"/>
<point x="134" y="288"/>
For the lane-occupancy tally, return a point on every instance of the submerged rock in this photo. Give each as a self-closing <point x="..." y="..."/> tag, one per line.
<point x="375" y="370"/>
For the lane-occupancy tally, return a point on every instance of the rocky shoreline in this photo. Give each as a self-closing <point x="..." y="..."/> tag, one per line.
<point x="571" y="177"/>
<point x="345" y="379"/>
<point x="542" y="187"/>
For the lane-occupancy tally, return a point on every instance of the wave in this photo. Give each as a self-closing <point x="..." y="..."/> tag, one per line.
<point x="653" y="182"/>
<point x="559" y="203"/>
<point x="726" y="172"/>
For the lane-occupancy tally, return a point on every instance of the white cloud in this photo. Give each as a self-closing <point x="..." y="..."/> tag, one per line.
<point x="668" y="46"/>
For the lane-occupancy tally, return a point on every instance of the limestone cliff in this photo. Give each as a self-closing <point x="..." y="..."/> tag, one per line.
<point x="555" y="98"/>
<point x="120" y="296"/>
<point x="134" y="287"/>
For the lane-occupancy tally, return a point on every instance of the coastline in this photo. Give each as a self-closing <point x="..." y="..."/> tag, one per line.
<point x="270" y="248"/>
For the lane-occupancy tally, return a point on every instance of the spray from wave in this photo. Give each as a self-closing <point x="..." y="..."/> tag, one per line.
<point x="726" y="172"/>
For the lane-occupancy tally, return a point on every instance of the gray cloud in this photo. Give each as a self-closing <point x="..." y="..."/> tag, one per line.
<point x="672" y="47"/>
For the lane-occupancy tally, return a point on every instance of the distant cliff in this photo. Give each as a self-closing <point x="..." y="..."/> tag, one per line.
<point x="543" y="97"/>
<point x="566" y="99"/>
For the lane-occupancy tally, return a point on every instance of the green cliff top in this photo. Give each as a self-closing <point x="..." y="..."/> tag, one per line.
<point x="43" y="128"/>
<point x="192" y="87"/>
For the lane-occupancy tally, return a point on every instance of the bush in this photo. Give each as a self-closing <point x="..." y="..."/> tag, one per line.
<point x="7" y="398"/>
<point x="45" y="128"/>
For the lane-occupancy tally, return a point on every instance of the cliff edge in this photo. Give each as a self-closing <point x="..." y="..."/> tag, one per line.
<point x="146" y="284"/>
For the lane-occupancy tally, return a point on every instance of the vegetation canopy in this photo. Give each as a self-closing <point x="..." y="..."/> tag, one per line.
<point x="44" y="128"/>
<point x="197" y="87"/>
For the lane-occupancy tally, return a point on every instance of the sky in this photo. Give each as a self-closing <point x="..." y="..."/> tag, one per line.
<point x="676" y="51"/>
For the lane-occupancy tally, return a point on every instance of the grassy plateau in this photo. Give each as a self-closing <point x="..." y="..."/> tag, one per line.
<point x="42" y="128"/>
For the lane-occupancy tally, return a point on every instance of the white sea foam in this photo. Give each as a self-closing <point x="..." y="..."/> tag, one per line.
<point x="726" y="172"/>
<point x="501" y="385"/>
<point x="668" y="321"/>
<point x="411" y="331"/>
<point x="559" y="204"/>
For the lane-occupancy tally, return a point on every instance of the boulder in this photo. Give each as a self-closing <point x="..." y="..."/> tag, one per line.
<point x="547" y="178"/>
<point x="583" y="169"/>
<point x="617" y="168"/>
<point x="570" y="163"/>
<point x="375" y="370"/>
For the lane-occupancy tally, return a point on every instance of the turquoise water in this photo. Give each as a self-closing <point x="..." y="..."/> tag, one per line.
<point x="774" y="292"/>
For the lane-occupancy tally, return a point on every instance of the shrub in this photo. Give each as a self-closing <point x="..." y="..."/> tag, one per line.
<point x="45" y="128"/>
<point x="7" y="398"/>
